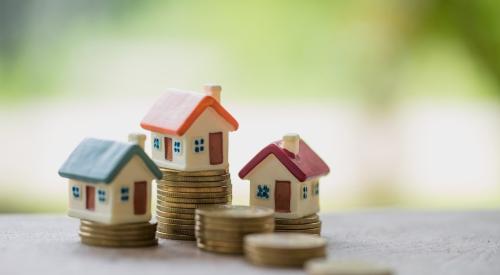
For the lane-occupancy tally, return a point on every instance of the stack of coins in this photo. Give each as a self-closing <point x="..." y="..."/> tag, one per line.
<point x="309" y="224"/>
<point x="179" y="193"/>
<point x="120" y="235"/>
<point x="278" y="249"/>
<point x="222" y="228"/>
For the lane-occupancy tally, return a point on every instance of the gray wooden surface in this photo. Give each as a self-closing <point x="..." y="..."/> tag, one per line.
<point x="410" y="242"/>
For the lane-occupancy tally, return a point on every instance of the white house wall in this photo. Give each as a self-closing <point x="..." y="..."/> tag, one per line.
<point x="188" y="160"/>
<point x="77" y="206"/>
<point x="309" y="205"/>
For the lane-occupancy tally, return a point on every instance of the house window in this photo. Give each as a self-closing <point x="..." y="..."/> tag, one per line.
<point x="304" y="192"/>
<point x="156" y="143"/>
<point x="316" y="188"/>
<point x="199" y="145"/>
<point x="76" y="192"/>
<point x="263" y="191"/>
<point x="177" y="147"/>
<point x="101" y="195"/>
<point x="124" y="191"/>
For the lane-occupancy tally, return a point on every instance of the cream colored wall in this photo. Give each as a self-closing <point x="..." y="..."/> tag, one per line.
<point x="310" y="205"/>
<point x="208" y="122"/>
<point x="123" y="212"/>
<point x="113" y="210"/>
<point x="77" y="209"/>
<point x="158" y="155"/>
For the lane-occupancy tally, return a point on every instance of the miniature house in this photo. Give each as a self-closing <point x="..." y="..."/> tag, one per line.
<point x="285" y="176"/>
<point x="189" y="131"/>
<point x="110" y="182"/>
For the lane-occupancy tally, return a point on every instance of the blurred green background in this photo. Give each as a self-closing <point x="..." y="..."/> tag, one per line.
<point x="401" y="98"/>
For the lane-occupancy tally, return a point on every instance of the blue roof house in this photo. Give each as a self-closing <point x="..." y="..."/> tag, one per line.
<point x="109" y="181"/>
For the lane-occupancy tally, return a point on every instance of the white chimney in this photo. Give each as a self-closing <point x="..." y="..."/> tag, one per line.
<point x="290" y="142"/>
<point x="213" y="91"/>
<point x="137" y="138"/>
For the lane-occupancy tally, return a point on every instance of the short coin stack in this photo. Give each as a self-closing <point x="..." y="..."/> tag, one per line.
<point x="310" y="224"/>
<point x="120" y="235"/>
<point x="181" y="192"/>
<point x="279" y="249"/>
<point x="222" y="228"/>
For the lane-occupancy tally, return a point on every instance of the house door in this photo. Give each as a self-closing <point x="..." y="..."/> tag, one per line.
<point x="168" y="148"/>
<point x="282" y="196"/>
<point x="90" y="198"/>
<point x="140" y="197"/>
<point x="215" y="148"/>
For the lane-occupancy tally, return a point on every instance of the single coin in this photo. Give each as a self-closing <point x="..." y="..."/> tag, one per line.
<point x="194" y="189"/>
<point x="174" y="215"/>
<point x="193" y="195"/>
<point x="162" y="226"/>
<point x="234" y="212"/>
<point x="171" y="230"/>
<point x="235" y="244"/>
<point x="175" y="210"/>
<point x="278" y="260"/>
<point x="192" y="184"/>
<point x="118" y="237"/>
<point x="175" y="236"/>
<point x="126" y="226"/>
<point x="298" y="226"/>
<point x="184" y="205"/>
<point x="219" y="249"/>
<point x="308" y="219"/>
<point x="175" y="221"/>
<point x="331" y="267"/>
<point x="105" y="232"/>
<point x="167" y="171"/>
<point x="284" y="242"/>
<point x="111" y="243"/>
<point x="232" y="220"/>
<point x="220" y="236"/>
<point x="193" y="201"/>
<point x="306" y="231"/>
<point x="290" y="254"/>
<point x="195" y="179"/>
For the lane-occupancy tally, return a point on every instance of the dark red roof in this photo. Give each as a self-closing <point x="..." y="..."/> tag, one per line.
<point x="177" y="110"/>
<point x="305" y="165"/>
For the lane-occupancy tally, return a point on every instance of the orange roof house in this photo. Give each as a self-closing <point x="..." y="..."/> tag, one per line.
<point x="189" y="130"/>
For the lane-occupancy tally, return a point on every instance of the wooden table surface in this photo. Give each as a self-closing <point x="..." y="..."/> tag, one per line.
<point x="410" y="242"/>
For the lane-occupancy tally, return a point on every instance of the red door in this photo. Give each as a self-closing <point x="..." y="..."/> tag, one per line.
<point x="215" y="147"/>
<point x="90" y="198"/>
<point x="140" y="197"/>
<point x="168" y="148"/>
<point x="282" y="196"/>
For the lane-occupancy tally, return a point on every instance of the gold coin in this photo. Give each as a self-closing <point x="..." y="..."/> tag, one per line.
<point x="193" y="184"/>
<point x="235" y="212"/>
<point x="235" y="244"/>
<point x="308" y="219"/>
<point x="113" y="243"/>
<point x="171" y="230"/>
<point x="175" y="210"/>
<point x="98" y="231"/>
<point x="324" y="266"/>
<point x="126" y="226"/>
<point x="278" y="261"/>
<point x="197" y="195"/>
<point x="175" y="221"/>
<point x="221" y="236"/>
<point x="194" y="189"/>
<point x="219" y="249"/>
<point x="291" y="254"/>
<point x="118" y="237"/>
<point x="162" y="226"/>
<point x="172" y="236"/>
<point x="193" y="201"/>
<point x="236" y="228"/>
<point x="316" y="231"/>
<point x="174" y="215"/>
<point x="195" y="179"/>
<point x="230" y="221"/>
<point x="284" y="242"/>
<point x="167" y="171"/>
<point x="298" y="226"/>
<point x="183" y="205"/>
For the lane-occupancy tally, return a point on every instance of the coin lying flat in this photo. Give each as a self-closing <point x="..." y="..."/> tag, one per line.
<point x="196" y="189"/>
<point x="195" y="179"/>
<point x="304" y="220"/>
<point x="175" y="221"/>
<point x="193" y="195"/>
<point x="316" y="231"/>
<point x="116" y="243"/>
<point x="288" y="242"/>
<point x="167" y="171"/>
<point x="330" y="267"/>
<point x="184" y="205"/>
<point x="173" y="215"/>
<point x="234" y="212"/>
<point x="118" y="227"/>
<point x="192" y="184"/>
<point x="298" y="226"/>
<point x="173" y="236"/>
<point x="219" y="249"/>
<point x="193" y="201"/>
<point x="175" y="210"/>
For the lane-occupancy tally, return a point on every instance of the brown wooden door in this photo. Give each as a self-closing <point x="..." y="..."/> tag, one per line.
<point x="90" y="198"/>
<point x="140" y="197"/>
<point x="282" y="196"/>
<point x="168" y="148"/>
<point x="216" y="150"/>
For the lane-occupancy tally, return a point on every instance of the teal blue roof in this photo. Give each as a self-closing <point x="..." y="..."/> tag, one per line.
<point x="96" y="160"/>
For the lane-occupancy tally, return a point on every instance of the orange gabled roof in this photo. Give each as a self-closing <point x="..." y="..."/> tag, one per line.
<point x="177" y="110"/>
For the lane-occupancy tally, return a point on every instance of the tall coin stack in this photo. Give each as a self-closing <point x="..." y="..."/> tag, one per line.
<point x="179" y="193"/>
<point x="120" y="235"/>
<point x="309" y="224"/>
<point x="221" y="229"/>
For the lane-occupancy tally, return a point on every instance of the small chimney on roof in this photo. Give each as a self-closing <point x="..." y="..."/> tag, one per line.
<point x="213" y="90"/>
<point x="290" y="143"/>
<point x="137" y="138"/>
